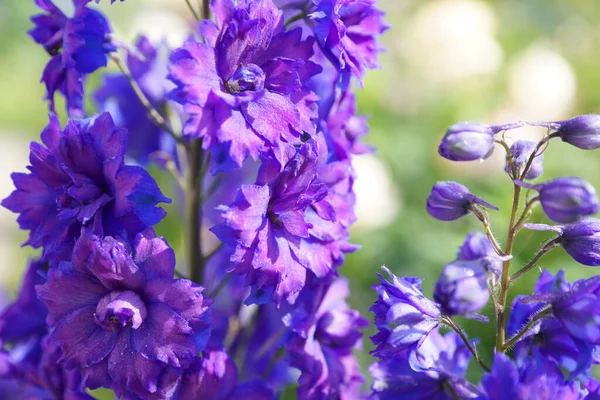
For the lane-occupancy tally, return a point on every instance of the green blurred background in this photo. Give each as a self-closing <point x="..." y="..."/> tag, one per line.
<point x="446" y="61"/>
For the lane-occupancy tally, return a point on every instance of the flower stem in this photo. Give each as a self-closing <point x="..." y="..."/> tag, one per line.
<point x="295" y="18"/>
<point x="193" y="213"/>
<point x="153" y="114"/>
<point x="450" y="322"/>
<point x="193" y="10"/>
<point x="505" y="279"/>
<point x="484" y="218"/>
<point x="541" y="314"/>
<point x="543" y="250"/>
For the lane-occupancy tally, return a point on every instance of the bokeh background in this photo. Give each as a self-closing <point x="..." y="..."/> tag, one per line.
<point x="446" y="61"/>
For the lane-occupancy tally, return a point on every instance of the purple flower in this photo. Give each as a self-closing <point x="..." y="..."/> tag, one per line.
<point x="122" y="319"/>
<point x="477" y="246"/>
<point x="537" y="378"/>
<point x="566" y="199"/>
<point x="578" y="310"/>
<point x="79" y="46"/>
<point x="403" y="315"/>
<point x="23" y="323"/>
<point x="467" y="141"/>
<point x="243" y="88"/>
<point x="462" y="288"/>
<point x="447" y="358"/>
<point x="449" y="201"/>
<point x="287" y="226"/>
<point x="346" y="31"/>
<point x="77" y="177"/>
<point x="325" y="331"/>
<point x="582" y="131"/>
<point x="343" y="128"/>
<point x="580" y="240"/>
<point x="117" y="97"/>
<point x="521" y="151"/>
<point x="549" y="336"/>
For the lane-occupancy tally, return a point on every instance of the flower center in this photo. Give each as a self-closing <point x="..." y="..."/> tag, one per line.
<point x="119" y="309"/>
<point x="247" y="78"/>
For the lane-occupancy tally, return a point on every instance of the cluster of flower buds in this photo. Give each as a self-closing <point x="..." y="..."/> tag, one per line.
<point x="264" y="95"/>
<point x="553" y="331"/>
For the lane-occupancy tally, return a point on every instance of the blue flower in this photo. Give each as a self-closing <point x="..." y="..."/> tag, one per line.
<point x="77" y="177"/>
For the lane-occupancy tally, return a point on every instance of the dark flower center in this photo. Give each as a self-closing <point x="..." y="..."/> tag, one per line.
<point x="119" y="309"/>
<point x="247" y="78"/>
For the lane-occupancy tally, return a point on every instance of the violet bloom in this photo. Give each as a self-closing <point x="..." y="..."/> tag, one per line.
<point x="521" y="151"/>
<point x="287" y="226"/>
<point x="149" y="69"/>
<point x="537" y="378"/>
<point x="79" y="46"/>
<point x="462" y="288"/>
<point x="403" y="315"/>
<point x="243" y="88"/>
<point x="447" y="358"/>
<point x="581" y="240"/>
<point x="566" y="199"/>
<point x="325" y="331"/>
<point x="343" y="129"/>
<point x="449" y="201"/>
<point x="549" y="336"/>
<point x="77" y="178"/>
<point x="122" y="319"/>
<point x="467" y="141"/>
<point x="477" y="246"/>
<point x="23" y="322"/>
<point x="582" y="131"/>
<point x="346" y="31"/>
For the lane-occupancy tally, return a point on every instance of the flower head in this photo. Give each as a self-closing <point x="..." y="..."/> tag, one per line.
<point x="243" y="88"/>
<point x="467" y="141"/>
<point x="346" y="31"/>
<point x="77" y="177"/>
<point x="449" y="201"/>
<point x="324" y="332"/>
<point x="521" y="151"/>
<point x="120" y="318"/>
<point x="582" y="131"/>
<point x="446" y="357"/>
<point x="79" y="46"/>
<point x="287" y="226"/>
<point x="581" y="240"/>
<point x="403" y="315"/>
<point x="462" y="288"/>
<point x="537" y="378"/>
<point x="567" y="199"/>
<point x="477" y="246"/>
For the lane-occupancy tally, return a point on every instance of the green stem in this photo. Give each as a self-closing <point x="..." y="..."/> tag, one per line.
<point x="450" y="322"/>
<point x="526" y="212"/>
<point x="295" y="18"/>
<point x="193" y="214"/>
<point x="193" y="10"/>
<point x="484" y="218"/>
<point x="505" y="279"/>
<point x="543" y="250"/>
<point x="541" y="314"/>
<point x="153" y="114"/>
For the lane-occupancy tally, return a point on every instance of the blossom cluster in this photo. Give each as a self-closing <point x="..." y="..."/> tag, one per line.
<point x="553" y="333"/>
<point x="263" y="93"/>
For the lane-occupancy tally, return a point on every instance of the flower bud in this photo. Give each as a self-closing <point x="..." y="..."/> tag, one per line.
<point x="449" y="201"/>
<point x="580" y="240"/>
<point x="462" y="288"/>
<point x="467" y="141"/>
<point x="567" y="199"/>
<point x="477" y="246"/>
<point x="521" y="150"/>
<point x="582" y="131"/>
